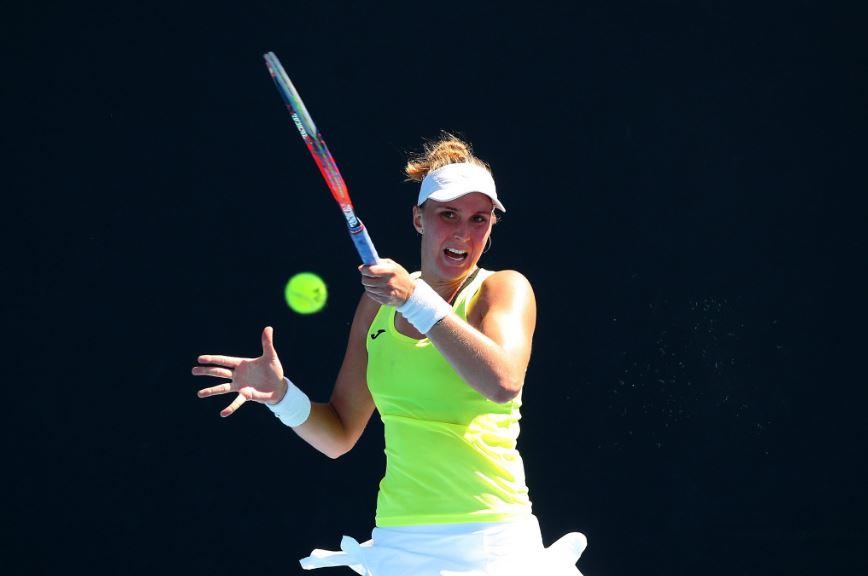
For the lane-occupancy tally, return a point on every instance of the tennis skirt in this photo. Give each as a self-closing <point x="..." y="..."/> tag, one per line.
<point x="513" y="548"/>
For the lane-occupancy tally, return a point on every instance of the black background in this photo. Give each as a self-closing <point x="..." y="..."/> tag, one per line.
<point x="683" y="182"/>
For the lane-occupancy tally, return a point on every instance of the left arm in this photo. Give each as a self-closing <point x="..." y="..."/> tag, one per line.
<point x="492" y="350"/>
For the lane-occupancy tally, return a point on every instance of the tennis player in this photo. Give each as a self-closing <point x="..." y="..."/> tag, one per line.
<point x="441" y="354"/>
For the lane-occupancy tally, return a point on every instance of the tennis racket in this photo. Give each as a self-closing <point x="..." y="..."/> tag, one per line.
<point x="323" y="158"/>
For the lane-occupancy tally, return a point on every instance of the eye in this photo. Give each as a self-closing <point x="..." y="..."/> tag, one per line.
<point x="480" y="219"/>
<point x="447" y="214"/>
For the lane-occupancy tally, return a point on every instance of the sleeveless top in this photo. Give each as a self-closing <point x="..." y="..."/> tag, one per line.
<point x="450" y="452"/>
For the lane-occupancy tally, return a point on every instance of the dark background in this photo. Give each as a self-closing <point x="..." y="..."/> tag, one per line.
<point x="684" y="185"/>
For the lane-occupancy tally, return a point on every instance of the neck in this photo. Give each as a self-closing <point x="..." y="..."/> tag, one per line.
<point x="447" y="288"/>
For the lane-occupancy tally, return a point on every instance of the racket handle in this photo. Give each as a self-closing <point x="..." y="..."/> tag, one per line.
<point x="363" y="243"/>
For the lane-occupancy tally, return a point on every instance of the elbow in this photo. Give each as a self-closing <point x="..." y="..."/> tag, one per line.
<point x="507" y="390"/>
<point x="505" y="396"/>
<point x="338" y="449"/>
<point x="335" y="452"/>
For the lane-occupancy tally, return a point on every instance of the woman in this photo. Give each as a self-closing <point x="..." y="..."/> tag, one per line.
<point x="442" y="355"/>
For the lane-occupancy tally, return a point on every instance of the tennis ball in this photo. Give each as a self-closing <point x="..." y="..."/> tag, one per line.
<point x="305" y="293"/>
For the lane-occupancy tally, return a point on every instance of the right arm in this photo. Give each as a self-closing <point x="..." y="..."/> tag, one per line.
<point x="332" y="427"/>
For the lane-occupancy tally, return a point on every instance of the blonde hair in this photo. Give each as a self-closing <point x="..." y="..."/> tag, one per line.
<point x="448" y="149"/>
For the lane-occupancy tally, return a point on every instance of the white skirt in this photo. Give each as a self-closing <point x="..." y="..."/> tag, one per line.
<point x="512" y="548"/>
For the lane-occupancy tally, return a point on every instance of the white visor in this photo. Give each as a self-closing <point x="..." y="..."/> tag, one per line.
<point x="455" y="180"/>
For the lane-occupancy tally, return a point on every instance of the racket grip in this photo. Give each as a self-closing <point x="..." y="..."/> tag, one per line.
<point x="363" y="243"/>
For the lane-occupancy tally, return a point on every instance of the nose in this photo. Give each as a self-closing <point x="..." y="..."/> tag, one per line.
<point x="460" y="232"/>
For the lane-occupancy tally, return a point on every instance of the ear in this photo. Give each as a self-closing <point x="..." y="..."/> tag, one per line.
<point x="417" y="219"/>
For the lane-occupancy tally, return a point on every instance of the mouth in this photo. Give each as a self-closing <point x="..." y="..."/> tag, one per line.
<point x="454" y="255"/>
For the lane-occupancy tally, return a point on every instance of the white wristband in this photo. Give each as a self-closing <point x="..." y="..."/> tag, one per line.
<point x="294" y="409"/>
<point x="424" y="307"/>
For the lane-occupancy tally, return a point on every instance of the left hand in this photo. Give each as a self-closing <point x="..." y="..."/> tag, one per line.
<point x="387" y="282"/>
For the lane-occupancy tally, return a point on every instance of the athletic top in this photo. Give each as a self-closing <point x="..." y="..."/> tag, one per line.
<point x="450" y="452"/>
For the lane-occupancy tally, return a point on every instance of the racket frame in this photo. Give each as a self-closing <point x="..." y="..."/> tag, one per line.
<point x="322" y="156"/>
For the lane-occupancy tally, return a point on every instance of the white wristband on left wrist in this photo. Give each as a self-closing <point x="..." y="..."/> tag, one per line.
<point x="425" y="307"/>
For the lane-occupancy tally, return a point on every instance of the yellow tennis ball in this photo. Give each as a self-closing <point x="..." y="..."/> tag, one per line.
<point x="306" y="293"/>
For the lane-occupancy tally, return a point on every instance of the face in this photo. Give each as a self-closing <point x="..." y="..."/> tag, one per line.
<point x="453" y="233"/>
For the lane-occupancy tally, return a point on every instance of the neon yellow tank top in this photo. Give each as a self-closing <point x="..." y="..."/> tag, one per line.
<point x="450" y="452"/>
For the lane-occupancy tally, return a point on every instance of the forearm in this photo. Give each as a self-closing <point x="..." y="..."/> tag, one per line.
<point x="479" y="360"/>
<point x="324" y="430"/>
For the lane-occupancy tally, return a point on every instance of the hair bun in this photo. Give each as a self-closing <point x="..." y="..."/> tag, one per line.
<point x="448" y="149"/>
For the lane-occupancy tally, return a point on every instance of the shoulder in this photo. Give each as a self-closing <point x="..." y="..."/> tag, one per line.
<point x="366" y="310"/>
<point x="506" y="284"/>
<point x="504" y="291"/>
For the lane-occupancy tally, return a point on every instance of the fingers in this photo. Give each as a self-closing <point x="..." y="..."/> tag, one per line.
<point x="217" y="373"/>
<point x="236" y="404"/>
<point x="251" y="393"/>
<point x="376" y="278"/>
<point x="366" y="271"/>
<point x="384" y="266"/>
<point x="212" y="371"/>
<point x="374" y="281"/>
<point x="228" y="361"/>
<point x="215" y="390"/>
<point x="268" y="342"/>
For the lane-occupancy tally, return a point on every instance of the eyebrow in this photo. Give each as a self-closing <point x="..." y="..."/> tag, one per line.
<point x="454" y="209"/>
